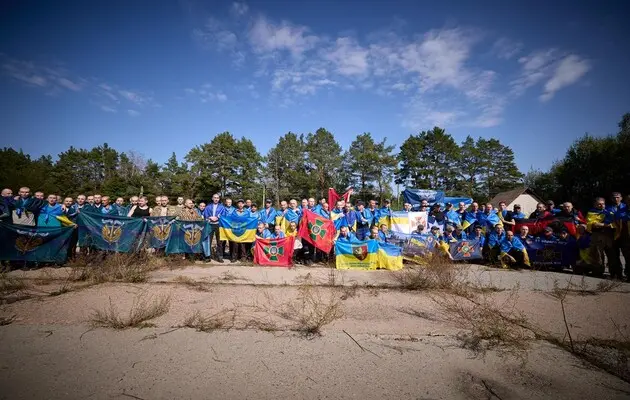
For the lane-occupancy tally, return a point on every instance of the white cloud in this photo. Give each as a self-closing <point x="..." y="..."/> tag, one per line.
<point x="68" y="84"/>
<point x="568" y="71"/>
<point x="506" y="49"/>
<point x="348" y="57"/>
<point x="55" y="79"/>
<point x="133" y="113"/>
<point x="239" y="9"/>
<point x="108" y="109"/>
<point x="205" y="94"/>
<point x="557" y="69"/>
<point x="268" y="37"/>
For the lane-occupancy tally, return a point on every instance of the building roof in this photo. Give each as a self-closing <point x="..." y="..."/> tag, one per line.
<point x="511" y="195"/>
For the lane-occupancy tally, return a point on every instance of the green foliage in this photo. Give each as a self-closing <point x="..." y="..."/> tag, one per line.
<point x="225" y="165"/>
<point x="323" y="159"/>
<point x="286" y="171"/>
<point x="427" y="160"/>
<point x="592" y="166"/>
<point x="370" y="165"/>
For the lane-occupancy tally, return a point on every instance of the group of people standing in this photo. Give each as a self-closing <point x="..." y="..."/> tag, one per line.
<point x="600" y="236"/>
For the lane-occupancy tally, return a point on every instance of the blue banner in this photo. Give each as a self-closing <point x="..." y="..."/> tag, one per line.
<point x="189" y="237"/>
<point x="551" y="253"/>
<point x="110" y="232"/>
<point x="159" y="231"/>
<point x="465" y="250"/>
<point x="27" y="243"/>
<point x="415" y="196"/>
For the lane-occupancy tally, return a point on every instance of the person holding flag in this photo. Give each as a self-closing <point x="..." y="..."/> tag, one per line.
<point x="268" y="215"/>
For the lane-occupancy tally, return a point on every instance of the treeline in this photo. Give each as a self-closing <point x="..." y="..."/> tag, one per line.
<point x="297" y="166"/>
<point x="592" y="166"/>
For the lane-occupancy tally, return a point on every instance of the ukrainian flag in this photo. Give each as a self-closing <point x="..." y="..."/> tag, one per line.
<point x="469" y="219"/>
<point x="384" y="218"/>
<point x="238" y="228"/>
<point x="357" y="255"/>
<point x="339" y="219"/>
<point x="390" y="256"/>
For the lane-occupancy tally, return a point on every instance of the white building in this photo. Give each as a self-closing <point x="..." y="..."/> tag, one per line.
<point x="524" y="197"/>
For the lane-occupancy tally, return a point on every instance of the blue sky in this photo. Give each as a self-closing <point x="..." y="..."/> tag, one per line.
<point x="163" y="76"/>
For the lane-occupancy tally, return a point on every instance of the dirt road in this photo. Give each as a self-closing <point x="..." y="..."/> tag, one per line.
<point x="387" y="343"/>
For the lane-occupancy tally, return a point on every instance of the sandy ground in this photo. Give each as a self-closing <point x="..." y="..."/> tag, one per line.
<point x="407" y="346"/>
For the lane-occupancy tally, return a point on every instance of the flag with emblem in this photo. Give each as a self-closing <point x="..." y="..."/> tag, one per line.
<point x="274" y="252"/>
<point x="36" y="244"/>
<point x="465" y="250"/>
<point x="357" y="254"/>
<point x="317" y="230"/>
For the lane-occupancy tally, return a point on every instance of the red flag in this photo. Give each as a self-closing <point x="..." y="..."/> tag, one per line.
<point x="334" y="197"/>
<point x="538" y="226"/>
<point x="275" y="252"/>
<point x="317" y="230"/>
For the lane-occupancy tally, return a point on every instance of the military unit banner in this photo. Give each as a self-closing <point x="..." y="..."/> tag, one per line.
<point x="189" y="237"/>
<point x="109" y="232"/>
<point x="274" y="252"/>
<point x="551" y="253"/>
<point x="317" y="230"/>
<point x="27" y="243"/>
<point x="407" y="222"/>
<point x="357" y="255"/>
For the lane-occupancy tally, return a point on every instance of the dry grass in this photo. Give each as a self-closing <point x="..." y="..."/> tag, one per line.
<point x="611" y="355"/>
<point x="143" y="309"/>
<point x="440" y="274"/>
<point x="115" y="267"/>
<point x="11" y="286"/>
<point x="7" y="320"/>
<point x="192" y="284"/>
<point x="490" y="324"/>
<point x="224" y="319"/>
<point x="311" y="310"/>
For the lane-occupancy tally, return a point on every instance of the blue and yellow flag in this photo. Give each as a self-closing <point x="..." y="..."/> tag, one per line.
<point x="357" y="255"/>
<point x="389" y="256"/>
<point x="238" y="228"/>
<point x="469" y="219"/>
<point x="383" y="217"/>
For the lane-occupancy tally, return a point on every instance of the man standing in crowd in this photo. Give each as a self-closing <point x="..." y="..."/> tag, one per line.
<point x="239" y="249"/>
<point x="212" y="214"/>
<point x="26" y="208"/>
<point x="90" y="200"/>
<point x="364" y="220"/>
<point x="49" y="212"/>
<point x="621" y="242"/>
<point x="76" y="208"/>
<point x="96" y="207"/>
<point x="540" y="212"/>
<point x="201" y="208"/>
<point x="180" y="205"/>
<point x="163" y="209"/>
<point x="188" y="213"/>
<point x="5" y="205"/>
<point x="600" y="223"/>
<point x="506" y="216"/>
<point x="517" y="214"/>
<point x="107" y="208"/>
<point x="268" y="215"/>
